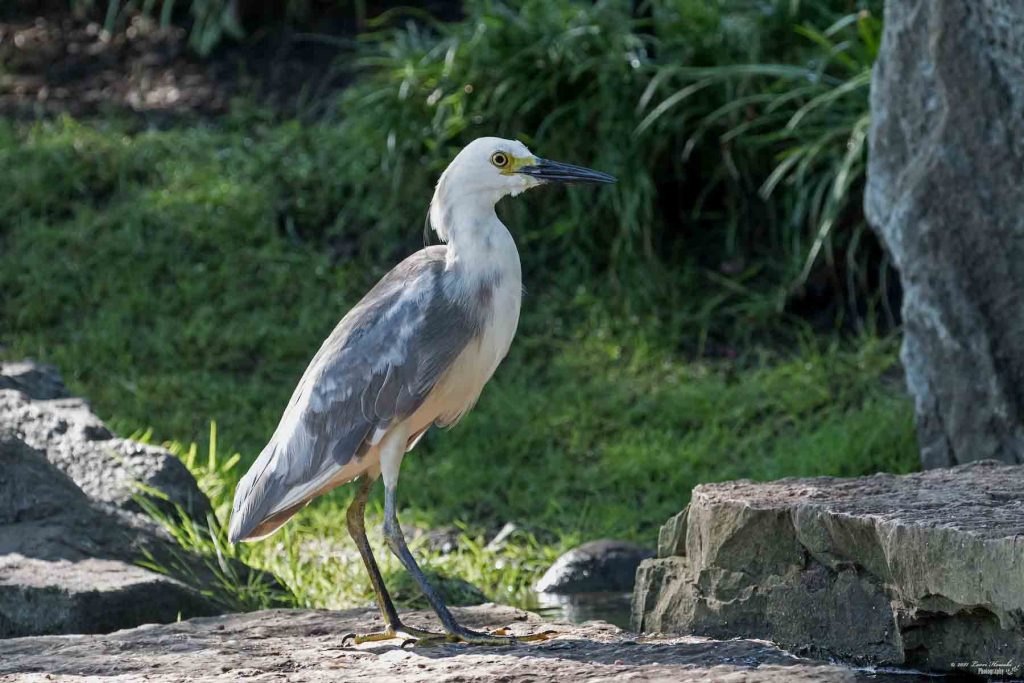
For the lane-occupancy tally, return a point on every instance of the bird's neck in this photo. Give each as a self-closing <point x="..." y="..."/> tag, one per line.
<point x="478" y="242"/>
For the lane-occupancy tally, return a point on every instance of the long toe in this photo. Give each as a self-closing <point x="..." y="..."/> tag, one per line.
<point x="413" y="633"/>
<point x="498" y="637"/>
<point x="406" y="633"/>
<point x="538" y="637"/>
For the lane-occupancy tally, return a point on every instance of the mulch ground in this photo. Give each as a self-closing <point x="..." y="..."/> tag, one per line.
<point x="53" y="62"/>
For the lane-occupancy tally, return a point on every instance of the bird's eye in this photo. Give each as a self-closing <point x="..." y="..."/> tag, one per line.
<point x="499" y="159"/>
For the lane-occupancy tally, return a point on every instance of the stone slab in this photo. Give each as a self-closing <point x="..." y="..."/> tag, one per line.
<point x="923" y="570"/>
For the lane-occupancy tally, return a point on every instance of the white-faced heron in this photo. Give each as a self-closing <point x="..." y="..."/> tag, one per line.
<point x="415" y="352"/>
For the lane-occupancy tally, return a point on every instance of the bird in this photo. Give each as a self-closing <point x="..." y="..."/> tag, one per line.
<point x="415" y="352"/>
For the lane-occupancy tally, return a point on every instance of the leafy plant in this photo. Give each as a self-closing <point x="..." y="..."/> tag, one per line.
<point x="811" y="119"/>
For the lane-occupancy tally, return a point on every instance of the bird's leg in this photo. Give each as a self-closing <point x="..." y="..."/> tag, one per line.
<point x="393" y="627"/>
<point x="453" y="631"/>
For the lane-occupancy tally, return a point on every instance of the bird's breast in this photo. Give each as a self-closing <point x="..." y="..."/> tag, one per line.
<point x="497" y="307"/>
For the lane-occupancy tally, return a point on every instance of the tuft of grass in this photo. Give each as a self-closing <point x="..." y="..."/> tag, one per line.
<point x="221" y="575"/>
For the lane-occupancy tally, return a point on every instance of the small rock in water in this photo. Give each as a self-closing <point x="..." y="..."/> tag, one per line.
<point x="604" y="565"/>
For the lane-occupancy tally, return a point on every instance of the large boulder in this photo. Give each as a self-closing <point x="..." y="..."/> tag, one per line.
<point x="945" y="192"/>
<point x="922" y="570"/>
<point x="72" y="536"/>
<point x="35" y="404"/>
<point x="308" y="645"/>
<point x="69" y="565"/>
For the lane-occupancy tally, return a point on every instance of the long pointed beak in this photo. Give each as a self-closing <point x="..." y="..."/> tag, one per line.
<point x="557" y="172"/>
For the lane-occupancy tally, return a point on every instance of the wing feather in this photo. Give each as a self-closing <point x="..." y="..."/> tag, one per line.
<point x="377" y="366"/>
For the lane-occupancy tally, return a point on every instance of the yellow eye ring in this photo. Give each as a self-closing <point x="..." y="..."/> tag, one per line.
<point x="500" y="159"/>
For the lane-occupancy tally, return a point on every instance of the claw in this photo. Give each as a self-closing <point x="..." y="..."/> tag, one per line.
<point x="414" y="637"/>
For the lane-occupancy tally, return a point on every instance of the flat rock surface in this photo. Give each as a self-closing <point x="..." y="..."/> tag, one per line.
<point x="922" y="570"/>
<point x="306" y="645"/>
<point x="985" y="500"/>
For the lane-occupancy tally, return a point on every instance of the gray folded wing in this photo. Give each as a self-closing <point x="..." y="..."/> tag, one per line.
<point x="375" y="369"/>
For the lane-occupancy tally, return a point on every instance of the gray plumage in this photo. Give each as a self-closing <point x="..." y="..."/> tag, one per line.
<point x="375" y="369"/>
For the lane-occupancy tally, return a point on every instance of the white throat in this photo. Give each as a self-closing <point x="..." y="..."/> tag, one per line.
<point x="478" y="242"/>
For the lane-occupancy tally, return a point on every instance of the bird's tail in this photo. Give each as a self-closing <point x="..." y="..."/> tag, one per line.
<point x="252" y="513"/>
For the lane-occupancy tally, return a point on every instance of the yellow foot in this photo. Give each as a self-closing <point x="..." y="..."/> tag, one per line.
<point x="409" y="634"/>
<point x="498" y="637"/>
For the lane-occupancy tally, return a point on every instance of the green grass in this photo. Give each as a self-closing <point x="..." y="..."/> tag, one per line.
<point x="153" y="269"/>
<point x="188" y="275"/>
<point x="165" y="291"/>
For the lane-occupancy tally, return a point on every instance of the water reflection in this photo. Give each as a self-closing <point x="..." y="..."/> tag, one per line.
<point x="613" y="607"/>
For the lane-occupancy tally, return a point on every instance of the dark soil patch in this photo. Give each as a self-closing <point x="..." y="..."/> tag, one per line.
<point x="53" y="62"/>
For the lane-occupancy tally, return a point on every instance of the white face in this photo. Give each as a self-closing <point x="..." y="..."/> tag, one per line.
<point x="489" y="166"/>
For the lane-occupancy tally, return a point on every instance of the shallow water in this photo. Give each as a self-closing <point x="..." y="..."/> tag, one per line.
<point x="613" y="607"/>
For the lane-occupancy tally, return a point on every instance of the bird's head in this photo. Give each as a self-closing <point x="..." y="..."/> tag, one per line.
<point x="497" y="167"/>
<point x="488" y="169"/>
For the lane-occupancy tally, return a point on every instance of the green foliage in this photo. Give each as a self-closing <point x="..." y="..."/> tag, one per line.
<point x="812" y="120"/>
<point x="533" y="71"/>
<point x="606" y="440"/>
<point x="735" y="137"/>
<point x="162" y="281"/>
<point x="222" y="579"/>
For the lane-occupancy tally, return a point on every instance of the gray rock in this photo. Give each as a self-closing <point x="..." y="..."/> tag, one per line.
<point x="604" y="565"/>
<point x="307" y="645"/>
<point x="67" y="564"/>
<point x="78" y="443"/>
<point x="924" y="570"/>
<point x="88" y="596"/>
<point x="71" y="535"/>
<point x="35" y="380"/>
<point x="945" y="192"/>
